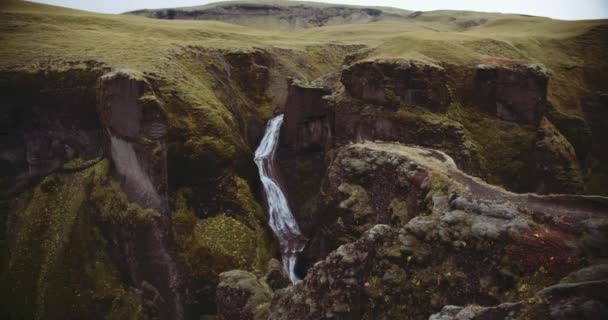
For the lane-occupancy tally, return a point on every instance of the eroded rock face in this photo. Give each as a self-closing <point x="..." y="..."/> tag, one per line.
<point x="307" y="117"/>
<point x="136" y="125"/>
<point x="48" y="119"/>
<point x="467" y="243"/>
<point x="398" y="82"/>
<point x="356" y="195"/>
<point x="512" y="92"/>
<point x="355" y="120"/>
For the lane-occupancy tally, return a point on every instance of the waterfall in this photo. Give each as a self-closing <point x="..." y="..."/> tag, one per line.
<point x="281" y="219"/>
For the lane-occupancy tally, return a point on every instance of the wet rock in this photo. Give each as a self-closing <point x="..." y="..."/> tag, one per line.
<point x="512" y="92"/>
<point x="276" y="277"/>
<point x="398" y="82"/>
<point x="240" y="295"/>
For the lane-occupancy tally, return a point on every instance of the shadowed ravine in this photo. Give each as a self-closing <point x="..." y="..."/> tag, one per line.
<point x="281" y="219"/>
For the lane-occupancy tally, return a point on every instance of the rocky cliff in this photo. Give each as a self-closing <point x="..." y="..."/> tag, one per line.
<point x="443" y="238"/>
<point x="438" y="165"/>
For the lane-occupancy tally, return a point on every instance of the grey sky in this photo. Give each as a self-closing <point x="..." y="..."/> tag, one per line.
<point x="558" y="9"/>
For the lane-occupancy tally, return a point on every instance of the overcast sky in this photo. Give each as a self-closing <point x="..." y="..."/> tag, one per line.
<point x="559" y="9"/>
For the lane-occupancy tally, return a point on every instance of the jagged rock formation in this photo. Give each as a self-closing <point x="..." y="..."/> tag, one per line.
<point x="512" y="92"/>
<point x="316" y="116"/>
<point x="137" y="128"/>
<point x="398" y="82"/>
<point x="48" y="120"/>
<point x="427" y="254"/>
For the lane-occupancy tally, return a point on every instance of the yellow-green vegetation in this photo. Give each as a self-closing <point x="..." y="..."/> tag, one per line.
<point x="505" y="150"/>
<point x="110" y="202"/>
<point x="37" y="36"/>
<point x="209" y="246"/>
<point x="57" y="255"/>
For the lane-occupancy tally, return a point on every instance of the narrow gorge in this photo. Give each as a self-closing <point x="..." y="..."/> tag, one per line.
<point x="286" y="160"/>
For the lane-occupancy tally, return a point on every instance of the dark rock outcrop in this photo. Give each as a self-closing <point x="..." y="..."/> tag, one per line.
<point x="466" y="243"/>
<point x="48" y="119"/>
<point x="512" y="92"/>
<point x="306" y="134"/>
<point x="398" y="82"/>
<point x="307" y="118"/>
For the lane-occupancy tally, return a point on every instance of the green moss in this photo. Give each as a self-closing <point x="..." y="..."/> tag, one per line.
<point x="207" y="247"/>
<point x="505" y="150"/>
<point x="111" y="203"/>
<point x="58" y="267"/>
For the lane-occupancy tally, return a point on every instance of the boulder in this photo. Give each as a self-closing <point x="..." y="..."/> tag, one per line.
<point x="398" y="82"/>
<point x="512" y="92"/>
<point x="276" y="277"/>
<point x="240" y="295"/>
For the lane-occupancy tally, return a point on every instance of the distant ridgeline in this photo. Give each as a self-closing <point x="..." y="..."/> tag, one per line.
<point x="273" y="14"/>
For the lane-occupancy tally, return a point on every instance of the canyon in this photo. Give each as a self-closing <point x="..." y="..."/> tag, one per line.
<point x="294" y="160"/>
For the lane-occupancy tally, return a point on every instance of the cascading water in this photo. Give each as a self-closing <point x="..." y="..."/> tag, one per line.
<point x="281" y="219"/>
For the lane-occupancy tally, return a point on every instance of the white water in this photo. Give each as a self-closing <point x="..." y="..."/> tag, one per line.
<point x="281" y="219"/>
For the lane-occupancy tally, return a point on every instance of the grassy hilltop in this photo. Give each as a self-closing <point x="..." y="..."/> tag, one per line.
<point x="36" y="35"/>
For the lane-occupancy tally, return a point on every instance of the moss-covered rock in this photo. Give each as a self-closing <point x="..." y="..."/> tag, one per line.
<point x="558" y="169"/>
<point x="505" y="150"/>
<point x="207" y="247"/>
<point x="240" y="295"/>
<point x="58" y="266"/>
<point x="469" y="243"/>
